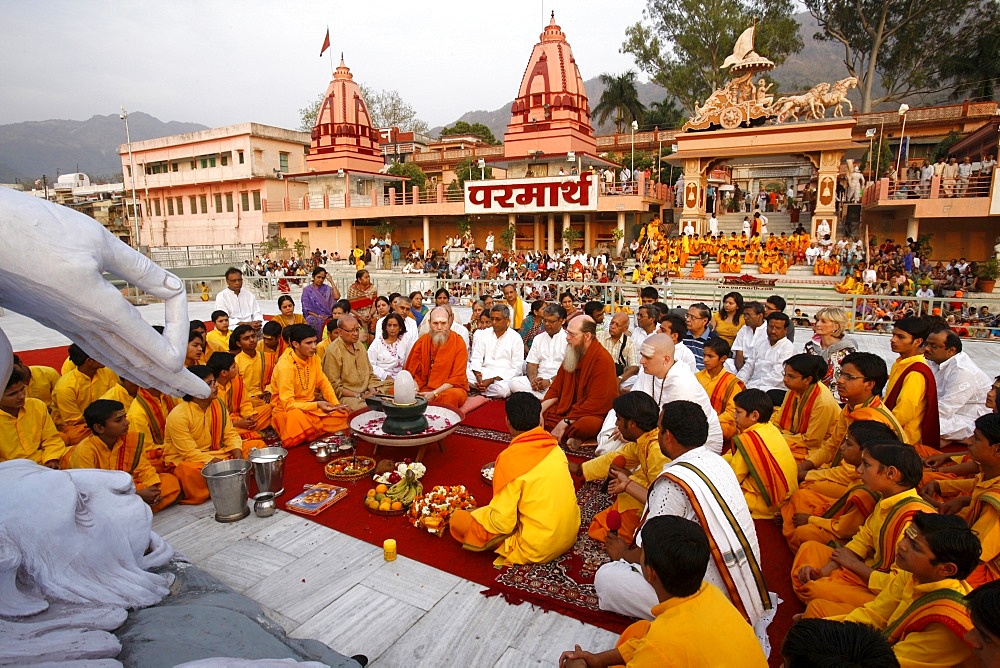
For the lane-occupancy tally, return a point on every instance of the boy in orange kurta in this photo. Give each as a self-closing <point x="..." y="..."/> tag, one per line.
<point x="438" y="363"/>
<point x="298" y="376"/>
<point x="721" y="386"/>
<point x="113" y="447"/>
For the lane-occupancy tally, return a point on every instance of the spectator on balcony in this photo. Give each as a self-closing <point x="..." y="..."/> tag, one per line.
<point x="926" y="174"/>
<point x="949" y="176"/>
<point x="964" y="176"/>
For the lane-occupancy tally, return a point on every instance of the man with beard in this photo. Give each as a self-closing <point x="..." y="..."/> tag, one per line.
<point x="583" y="391"/>
<point x="438" y="362"/>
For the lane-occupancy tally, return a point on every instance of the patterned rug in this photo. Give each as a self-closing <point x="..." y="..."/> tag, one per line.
<point x="566" y="584"/>
<point x="484" y="433"/>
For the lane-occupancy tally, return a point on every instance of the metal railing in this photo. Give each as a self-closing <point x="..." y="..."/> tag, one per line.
<point x="171" y="257"/>
<point x="876" y="313"/>
<point x="937" y="188"/>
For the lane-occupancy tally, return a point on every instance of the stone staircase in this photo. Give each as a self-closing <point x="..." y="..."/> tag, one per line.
<point x="777" y="222"/>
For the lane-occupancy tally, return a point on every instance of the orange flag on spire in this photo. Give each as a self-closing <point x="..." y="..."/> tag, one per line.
<point x="326" y="43"/>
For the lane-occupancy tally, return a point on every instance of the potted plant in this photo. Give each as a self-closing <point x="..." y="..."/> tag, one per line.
<point x="988" y="271"/>
<point x="508" y="237"/>
<point x="569" y="236"/>
<point x="618" y="237"/>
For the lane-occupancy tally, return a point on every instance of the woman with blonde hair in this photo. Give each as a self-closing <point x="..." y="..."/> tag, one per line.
<point x="831" y="342"/>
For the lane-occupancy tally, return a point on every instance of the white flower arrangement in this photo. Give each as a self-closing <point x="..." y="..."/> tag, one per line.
<point x="401" y="468"/>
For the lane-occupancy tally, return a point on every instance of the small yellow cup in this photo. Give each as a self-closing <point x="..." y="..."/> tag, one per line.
<point x="389" y="549"/>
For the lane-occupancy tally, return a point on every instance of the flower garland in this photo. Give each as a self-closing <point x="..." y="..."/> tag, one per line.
<point x="432" y="510"/>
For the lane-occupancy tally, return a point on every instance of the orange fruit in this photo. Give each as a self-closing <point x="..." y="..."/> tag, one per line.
<point x="396" y="505"/>
<point x="385" y="505"/>
<point x="370" y="493"/>
<point x="381" y="489"/>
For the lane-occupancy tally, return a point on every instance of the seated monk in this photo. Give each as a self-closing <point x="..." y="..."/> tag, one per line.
<point x="43" y="381"/>
<point x="582" y="393"/>
<point x="438" y="362"/>
<point x="26" y="428"/>
<point x="347" y="367"/>
<point x="698" y="270"/>
<point x="248" y="421"/>
<point x="761" y="459"/>
<point x="809" y="515"/>
<point x="689" y="612"/>
<point x="846" y="286"/>
<point x="641" y="459"/>
<point x="112" y="447"/>
<point x="533" y="517"/>
<point x="720" y="385"/>
<point x="765" y="266"/>
<point x="255" y="366"/>
<point x="781" y="265"/>
<point x="298" y="376"/>
<point x="832" y="582"/>
<point x="199" y="432"/>
<point x="809" y="409"/>
<point x="76" y="389"/>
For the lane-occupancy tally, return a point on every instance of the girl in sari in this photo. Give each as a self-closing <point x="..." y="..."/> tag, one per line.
<point x="288" y="316"/>
<point x="318" y="299"/>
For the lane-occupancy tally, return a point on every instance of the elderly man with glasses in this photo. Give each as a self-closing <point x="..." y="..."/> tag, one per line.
<point x="697" y="320"/>
<point x="346" y="365"/>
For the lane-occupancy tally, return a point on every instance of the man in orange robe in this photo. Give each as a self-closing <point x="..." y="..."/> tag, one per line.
<point x="248" y="420"/>
<point x="298" y="417"/>
<point x="113" y="447"/>
<point x="534" y="516"/>
<point x="582" y="393"/>
<point x="438" y="362"/>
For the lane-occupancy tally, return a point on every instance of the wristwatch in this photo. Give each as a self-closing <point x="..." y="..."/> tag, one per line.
<point x="567" y="421"/>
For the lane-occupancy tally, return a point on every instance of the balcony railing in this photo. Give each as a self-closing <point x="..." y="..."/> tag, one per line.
<point x="936" y="188"/>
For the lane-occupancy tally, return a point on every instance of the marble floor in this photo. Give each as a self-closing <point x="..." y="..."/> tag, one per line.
<point x="321" y="584"/>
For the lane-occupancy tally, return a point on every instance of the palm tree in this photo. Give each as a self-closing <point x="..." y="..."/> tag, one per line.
<point x="665" y="114"/>
<point x="619" y="97"/>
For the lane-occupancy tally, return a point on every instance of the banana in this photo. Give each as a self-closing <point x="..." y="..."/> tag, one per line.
<point x="406" y="490"/>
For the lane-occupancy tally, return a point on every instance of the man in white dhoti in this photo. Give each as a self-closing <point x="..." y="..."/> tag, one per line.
<point x="497" y="356"/>
<point x="546" y="355"/>
<point x="700" y="486"/>
<point x="662" y="378"/>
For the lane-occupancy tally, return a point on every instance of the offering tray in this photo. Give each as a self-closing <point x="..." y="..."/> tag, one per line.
<point x="441" y="421"/>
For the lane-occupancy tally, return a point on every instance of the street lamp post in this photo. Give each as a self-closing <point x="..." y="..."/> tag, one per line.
<point x="131" y="162"/>
<point x="631" y="168"/>
<point x="903" y="108"/>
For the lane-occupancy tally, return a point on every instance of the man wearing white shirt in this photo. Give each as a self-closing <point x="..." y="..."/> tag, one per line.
<point x="645" y="323"/>
<point x="497" y="356"/>
<point x="961" y="385"/>
<point x="925" y="292"/>
<point x="675" y="327"/>
<point x="766" y="369"/>
<point x="546" y="355"/>
<point x="747" y="338"/>
<point x="621" y="344"/>
<point x="713" y="225"/>
<point x="689" y="229"/>
<point x="240" y="304"/>
<point x="662" y="378"/>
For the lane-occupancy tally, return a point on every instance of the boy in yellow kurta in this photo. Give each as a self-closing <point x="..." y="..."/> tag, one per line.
<point x="720" y="385"/>
<point x="911" y="393"/>
<point x="198" y="433"/>
<point x="690" y="613"/>
<point x="26" y="428"/>
<point x="298" y="416"/>
<point x="112" y="447"/>
<point x="76" y="389"/>
<point x="255" y="366"/>
<point x="809" y="409"/>
<point x="218" y="338"/>
<point x="640" y="457"/>
<point x="148" y="416"/>
<point x="761" y="459"/>
<point x="124" y="392"/>
<point x="534" y="516"/>
<point x="921" y="610"/>
<point x="247" y="420"/>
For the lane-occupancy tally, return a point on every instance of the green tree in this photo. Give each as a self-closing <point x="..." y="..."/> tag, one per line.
<point x="973" y="69"/>
<point x="620" y="98"/>
<point x="681" y="44"/>
<point x="881" y="157"/>
<point x="942" y="148"/>
<point x="469" y="170"/>
<point x="898" y="44"/>
<point x="387" y="109"/>
<point x="475" y="129"/>
<point x="411" y="171"/>
<point x="665" y="115"/>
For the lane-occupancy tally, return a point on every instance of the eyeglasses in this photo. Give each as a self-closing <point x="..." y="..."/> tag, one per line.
<point x="691" y="316"/>
<point x="848" y="376"/>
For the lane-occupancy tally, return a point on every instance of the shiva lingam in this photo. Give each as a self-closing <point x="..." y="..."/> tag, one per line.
<point x="404" y="411"/>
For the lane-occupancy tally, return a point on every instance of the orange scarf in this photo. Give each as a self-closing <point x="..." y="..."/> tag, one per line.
<point x="767" y="475"/>
<point x="525" y="451"/>
<point x="724" y="390"/>
<point x="795" y="412"/>
<point x="217" y="411"/>
<point x="155" y="413"/>
<point x="127" y="452"/>
<point x="892" y="528"/>
<point x="942" y="606"/>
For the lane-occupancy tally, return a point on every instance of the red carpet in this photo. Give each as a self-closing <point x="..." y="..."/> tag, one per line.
<point x="53" y="357"/>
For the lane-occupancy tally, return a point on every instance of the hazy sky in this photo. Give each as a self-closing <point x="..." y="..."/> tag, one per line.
<point x="220" y="62"/>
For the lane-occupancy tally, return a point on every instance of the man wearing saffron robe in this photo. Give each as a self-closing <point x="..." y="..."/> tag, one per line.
<point x="534" y="516"/>
<point x="298" y="417"/>
<point x="26" y="428"/>
<point x="438" y="362"/>
<point x="861" y="379"/>
<point x="922" y="610"/>
<point x="318" y="299"/>
<point x="835" y="581"/>
<point x="636" y="419"/>
<point x="583" y="390"/>
<point x="77" y="389"/>
<point x="808" y="410"/>
<point x="113" y="447"/>
<point x="761" y="459"/>
<point x="199" y="432"/>
<point x="697" y="485"/>
<point x="688" y="613"/>
<point x="911" y="393"/>
<point x="362" y="294"/>
<point x="248" y="420"/>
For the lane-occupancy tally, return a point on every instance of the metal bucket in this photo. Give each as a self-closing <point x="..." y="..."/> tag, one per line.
<point x="269" y="469"/>
<point x="227" y="485"/>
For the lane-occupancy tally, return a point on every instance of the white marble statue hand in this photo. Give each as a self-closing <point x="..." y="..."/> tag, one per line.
<point x="51" y="261"/>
